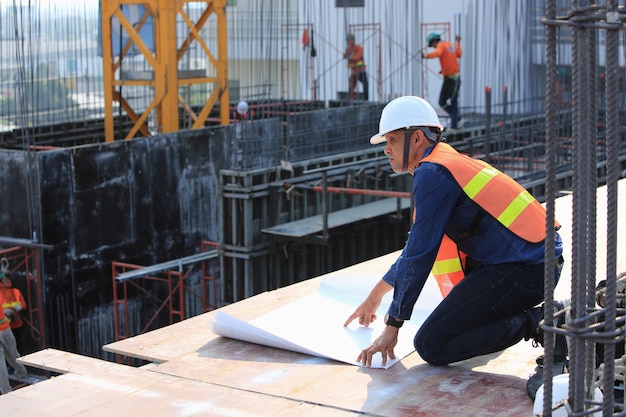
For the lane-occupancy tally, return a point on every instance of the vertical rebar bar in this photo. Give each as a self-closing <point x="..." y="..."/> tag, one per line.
<point x="576" y="389"/>
<point x="612" y="152"/>
<point x="551" y="138"/>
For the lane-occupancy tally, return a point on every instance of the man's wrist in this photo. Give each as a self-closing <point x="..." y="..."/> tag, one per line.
<point x="392" y="321"/>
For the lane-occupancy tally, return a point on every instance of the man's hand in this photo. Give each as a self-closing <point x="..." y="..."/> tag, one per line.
<point x="8" y="311"/>
<point x="458" y="38"/>
<point x="383" y="344"/>
<point x="366" y="312"/>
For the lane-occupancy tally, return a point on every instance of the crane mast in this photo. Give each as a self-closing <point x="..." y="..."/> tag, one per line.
<point x="151" y="32"/>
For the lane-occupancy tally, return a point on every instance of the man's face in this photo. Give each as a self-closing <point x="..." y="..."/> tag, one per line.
<point x="6" y="281"/>
<point x="394" y="149"/>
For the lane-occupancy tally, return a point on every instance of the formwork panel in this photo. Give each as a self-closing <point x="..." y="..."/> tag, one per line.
<point x="255" y="201"/>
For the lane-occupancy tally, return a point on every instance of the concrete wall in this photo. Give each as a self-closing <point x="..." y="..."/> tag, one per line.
<point x="143" y="201"/>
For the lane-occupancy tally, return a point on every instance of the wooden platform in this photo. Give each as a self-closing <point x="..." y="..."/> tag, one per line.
<point x="194" y="372"/>
<point x="90" y="387"/>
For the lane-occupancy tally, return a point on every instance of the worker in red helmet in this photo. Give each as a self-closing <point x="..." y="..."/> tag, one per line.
<point x="479" y="232"/>
<point x="448" y="55"/>
<point x="356" y="64"/>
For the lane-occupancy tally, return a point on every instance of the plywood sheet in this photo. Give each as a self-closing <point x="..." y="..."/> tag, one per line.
<point x="113" y="389"/>
<point x="410" y="387"/>
<point x="289" y="383"/>
<point x="59" y="361"/>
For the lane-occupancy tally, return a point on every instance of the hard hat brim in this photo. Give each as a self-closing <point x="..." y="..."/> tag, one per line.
<point x="377" y="138"/>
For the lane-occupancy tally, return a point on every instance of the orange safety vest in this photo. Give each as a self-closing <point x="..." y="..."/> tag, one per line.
<point x="449" y="266"/>
<point x="355" y="58"/>
<point x="12" y="297"/>
<point x="498" y="194"/>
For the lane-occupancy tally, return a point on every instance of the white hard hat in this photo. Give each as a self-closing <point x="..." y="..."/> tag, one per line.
<point x="405" y="112"/>
<point x="242" y="107"/>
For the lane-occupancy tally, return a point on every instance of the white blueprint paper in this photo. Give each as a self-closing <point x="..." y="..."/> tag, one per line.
<point x="313" y="324"/>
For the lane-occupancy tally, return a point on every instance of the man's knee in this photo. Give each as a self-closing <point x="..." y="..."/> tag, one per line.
<point x="427" y="351"/>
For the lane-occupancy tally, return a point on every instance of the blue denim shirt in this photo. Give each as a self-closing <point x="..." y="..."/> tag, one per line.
<point x="442" y="207"/>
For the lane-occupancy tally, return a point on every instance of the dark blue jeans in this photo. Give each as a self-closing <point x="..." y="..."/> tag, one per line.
<point x="450" y="91"/>
<point x="494" y="307"/>
<point x="354" y="78"/>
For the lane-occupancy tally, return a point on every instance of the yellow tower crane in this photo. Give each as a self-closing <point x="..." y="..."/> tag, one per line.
<point x="152" y="35"/>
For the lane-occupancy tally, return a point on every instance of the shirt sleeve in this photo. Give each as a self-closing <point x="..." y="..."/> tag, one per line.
<point x="20" y="299"/>
<point x="436" y="53"/>
<point x="435" y="196"/>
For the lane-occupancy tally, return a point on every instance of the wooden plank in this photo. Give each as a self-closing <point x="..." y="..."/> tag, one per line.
<point x="59" y="361"/>
<point x="162" y="344"/>
<point x="410" y="387"/>
<point x="315" y="224"/>
<point x="124" y="390"/>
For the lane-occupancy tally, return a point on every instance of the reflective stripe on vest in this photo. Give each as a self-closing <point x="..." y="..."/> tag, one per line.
<point x="356" y="64"/>
<point x="500" y="195"/>
<point x="12" y="305"/>
<point x="448" y="267"/>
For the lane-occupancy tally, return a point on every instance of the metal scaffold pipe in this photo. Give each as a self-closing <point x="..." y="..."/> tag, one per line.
<point x="360" y="191"/>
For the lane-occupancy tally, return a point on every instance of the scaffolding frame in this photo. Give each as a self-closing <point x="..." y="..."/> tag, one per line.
<point x="172" y="274"/>
<point x="24" y="257"/>
<point x="376" y="33"/>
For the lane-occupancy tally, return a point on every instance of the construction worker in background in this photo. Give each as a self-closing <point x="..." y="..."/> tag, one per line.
<point x="241" y="112"/>
<point x="8" y="353"/>
<point x="356" y="64"/>
<point x="12" y="303"/>
<point x="485" y="215"/>
<point x="448" y="55"/>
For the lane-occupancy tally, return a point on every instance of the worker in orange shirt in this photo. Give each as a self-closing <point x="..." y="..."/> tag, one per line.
<point x="8" y="353"/>
<point x="448" y="55"/>
<point x="356" y="64"/>
<point x="12" y="303"/>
